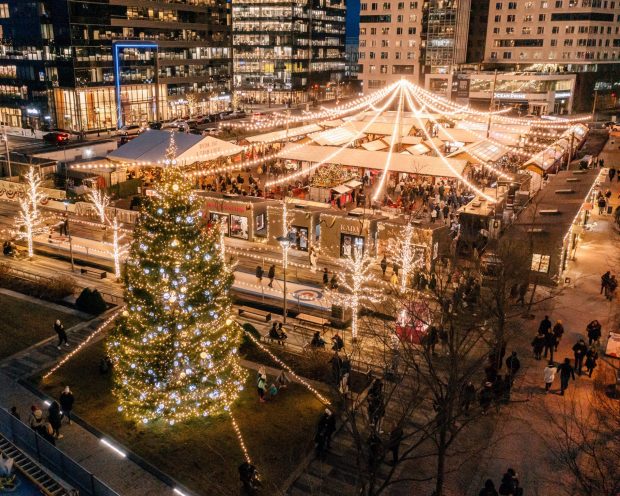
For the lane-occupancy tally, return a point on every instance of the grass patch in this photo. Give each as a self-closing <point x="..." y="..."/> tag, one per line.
<point x="25" y="323"/>
<point x="202" y="454"/>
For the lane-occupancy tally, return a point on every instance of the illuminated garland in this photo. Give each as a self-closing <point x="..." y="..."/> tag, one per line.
<point x="84" y="343"/>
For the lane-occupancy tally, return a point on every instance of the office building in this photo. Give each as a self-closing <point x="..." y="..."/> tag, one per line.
<point x="85" y="66"/>
<point x="557" y="36"/>
<point x="419" y="40"/>
<point x="287" y="52"/>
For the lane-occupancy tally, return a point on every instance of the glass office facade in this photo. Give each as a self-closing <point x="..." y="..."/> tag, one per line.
<point x="62" y="52"/>
<point x="282" y="48"/>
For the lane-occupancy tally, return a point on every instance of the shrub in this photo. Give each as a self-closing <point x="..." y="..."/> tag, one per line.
<point x="246" y="342"/>
<point x="91" y="301"/>
<point x="56" y="288"/>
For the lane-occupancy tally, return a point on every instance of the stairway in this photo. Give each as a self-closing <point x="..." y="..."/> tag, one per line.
<point x="31" y="470"/>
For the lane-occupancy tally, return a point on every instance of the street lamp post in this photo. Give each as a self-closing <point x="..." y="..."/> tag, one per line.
<point x="5" y="138"/>
<point x="285" y="244"/>
<point x="69" y="236"/>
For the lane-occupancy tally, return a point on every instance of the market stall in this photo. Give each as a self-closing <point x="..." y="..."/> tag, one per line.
<point x="244" y="217"/>
<point x="342" y="232"/>
<point x="303" y="221"/>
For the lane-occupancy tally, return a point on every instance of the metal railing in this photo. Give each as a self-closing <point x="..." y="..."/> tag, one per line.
<point x="51" y="457"/>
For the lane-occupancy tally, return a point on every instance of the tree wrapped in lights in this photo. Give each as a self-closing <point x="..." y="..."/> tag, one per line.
<point x="101" y="202"/>
<point x="357" y="285"/>
<point x="175" y="347"/>
<point x="406" y="253"/>
<point x="29" y="221"/>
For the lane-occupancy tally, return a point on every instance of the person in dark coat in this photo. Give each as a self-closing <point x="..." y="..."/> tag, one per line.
<point x="513" y="364"/>
<point x="558" y="332"/>
<point x="591" y="358"/>
<point x="468" y="395"/>
<point x="486" y="397"/>
<point x="395" y="268"/>
<point x="325" y="428"/>
<point x="510" y="484"/>
<point x="545" y="325"/>
<point x="605" y="280"/>
<point x="580" y="349"/>
<point x="488" y="489"/>
<point x="550" y="344"/>
<point x="594" y="331"/>
<point x="396" y="437"/>
<point x="55" y="419"/>
<point x="259" y="274"/>
<point x="62" y="335"/>
<point x="271" y="275"/>
<point x="325" y="277"/>
<point x="333" y="283"/>
<point x="538" y="344"/>
<point x="566" y="372"/>
<point x="66" y="403"/>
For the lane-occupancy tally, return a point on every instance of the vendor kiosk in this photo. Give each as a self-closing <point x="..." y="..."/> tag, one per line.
<point x="303" y="221"/>
<point x="244" y="217"/>
<point x="343" y="232"/>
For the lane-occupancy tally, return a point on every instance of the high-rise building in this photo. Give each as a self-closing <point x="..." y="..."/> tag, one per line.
<point x="556" y="37"/>
<point x="287" y="51"/>
<point x="419" y="40"/>
<point x="85" y="66"/>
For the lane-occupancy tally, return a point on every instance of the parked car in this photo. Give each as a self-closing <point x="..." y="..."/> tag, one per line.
<point x="238" y="114"/>
<point x="155" y="125"/>
<point x="56" y="138"/>
<point x="127" y="130"/>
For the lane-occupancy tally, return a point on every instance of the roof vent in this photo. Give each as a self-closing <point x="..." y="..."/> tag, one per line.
<point x="550" y="211"/>
<point x="573" y="180"/>
<point x="564" y="191"/>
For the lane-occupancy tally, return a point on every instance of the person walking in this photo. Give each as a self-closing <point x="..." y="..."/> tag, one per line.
<point x="66" y="403"/>
<point x="510" y="484"/>
<point x="55" y="419"/>
<point x="579" y="349"/>
<point x="259" y="274"/>
<point x="591" y="358"/>
<point x="271" y="275"/>
<point x="522" y="292"/>
<point x="605" y="278"/>
<point x="384" y="265"/>
<point x="488" y="489"/>
<point x="594" y="332"/>
<point x="468" y="395"/>
<point x="558" y="332"/>
<point x="602" y="203"/>
<point x="538" y="343"/>
<point x="612" y="173"/>
<point x="513" y="364"/>
<point x="545" y="325"/>
<point x="549" y="375"/>
<point x="396" y="437"/>
<point x="325" y="277"/>
<point x="62" y="335"/>
<point x="261" y="384"/>
<point x="550" y="344"/>
<point x="566" y="372"/>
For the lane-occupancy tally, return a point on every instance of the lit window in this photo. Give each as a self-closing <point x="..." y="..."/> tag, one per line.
<point x="540" y="263"/>
<point x="4" y="10"/>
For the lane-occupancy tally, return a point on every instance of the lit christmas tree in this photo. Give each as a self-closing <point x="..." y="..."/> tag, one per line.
<point x="175" y="347"/>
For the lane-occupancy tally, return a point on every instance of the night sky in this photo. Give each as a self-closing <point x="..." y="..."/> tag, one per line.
<point x="353" y="18"/>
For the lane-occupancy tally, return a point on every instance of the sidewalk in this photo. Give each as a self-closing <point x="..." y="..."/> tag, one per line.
<point x="515" y="440"/>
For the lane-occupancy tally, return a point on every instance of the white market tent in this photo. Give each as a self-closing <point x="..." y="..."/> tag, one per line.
<point x="456" y="135"/>
<point x="150" y="148"/>
<point x="480" y="152"/>
<point x="419" y="149"/>
<point x="375" y="145"/>
<point x="356" y="157"/>
<point x="546" y="158"/>
<point x="336" y="136"/>
<point x="383" y="128"/>
<point x="284" y="134"/>
<point x="411" y="140"/>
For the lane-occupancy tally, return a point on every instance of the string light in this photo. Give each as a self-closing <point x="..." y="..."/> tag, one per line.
<point x="246" y="454"/>
<point x="357" y="282"/>
<point x="29" y="215"/>
<point x="83" y="344"/>
<point x="101" y="202"/>
<point x="118" y="249"/>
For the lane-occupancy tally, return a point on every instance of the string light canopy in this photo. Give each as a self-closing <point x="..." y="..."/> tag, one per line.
<point x="175" y="347"/>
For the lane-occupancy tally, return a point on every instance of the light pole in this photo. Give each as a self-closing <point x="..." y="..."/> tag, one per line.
<point x="5" y="138"/>
<point x="284" y="243"/>
<point x="69" y="236"/>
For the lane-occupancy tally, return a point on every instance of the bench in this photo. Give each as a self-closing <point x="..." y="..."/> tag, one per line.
<point x="312" y="319"/>
<point x="99" y="274"/>
<point x="268" y="339"/>
<point x="255" y="313"/>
